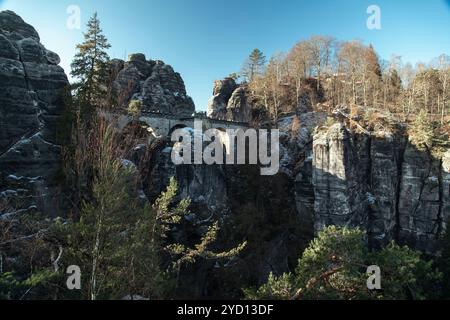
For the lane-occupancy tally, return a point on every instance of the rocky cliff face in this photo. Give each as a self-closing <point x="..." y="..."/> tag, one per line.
<point x="229" y="102"/>
<point x="340" y="167"/>
<point x="385" y="185"/>
<point x="155" y="83"/>
<point x="421" y="218"/>
<point x="204" y="185"/>
<point x="31" y="105"/>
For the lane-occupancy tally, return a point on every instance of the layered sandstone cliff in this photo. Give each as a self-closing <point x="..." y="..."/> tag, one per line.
<point x="154" y="83"/>
<point x="383" y="184"/>
<point x="31" y="105"/>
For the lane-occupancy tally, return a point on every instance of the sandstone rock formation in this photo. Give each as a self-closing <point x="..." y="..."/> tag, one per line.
<point x="340" y="165"/>
<point x="420" y="215"/>
<point x="229" y="102"/>
<point x="217" y="106"/>
<point x="155" y="83"/>
<point x="238" y="108"/>
<point x="31" y="105"/>
<point x="385" y="185"/>
<point x="204" y="185"/>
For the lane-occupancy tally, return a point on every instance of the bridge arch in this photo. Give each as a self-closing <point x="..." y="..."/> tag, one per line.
<point x="176" y="127"/>
<point x="221" y="129"/>
<point x="162" y="125"/>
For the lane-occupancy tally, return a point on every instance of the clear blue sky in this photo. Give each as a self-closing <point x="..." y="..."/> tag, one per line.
<point x="206" y="40"/>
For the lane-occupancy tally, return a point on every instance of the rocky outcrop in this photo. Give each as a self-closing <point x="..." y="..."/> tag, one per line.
<point x="203" y="185"/>
<point x="421" y="199"/>
<point x="385" y="185"/>
<point x="238" y="108"/>
<point x="229" y="102"/>
<point x="31" y="105"/>
<point x="222" y="92"/>
<point x="154" y="83"/>
<point x="386" y="154"/>
<point x="340" y="167"/>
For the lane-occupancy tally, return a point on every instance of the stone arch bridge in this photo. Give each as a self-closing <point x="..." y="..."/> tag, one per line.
<point x="162" y="125"/>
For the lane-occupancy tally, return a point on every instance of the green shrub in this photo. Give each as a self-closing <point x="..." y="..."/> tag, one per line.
<point x="134" y="108"/>
<point x="334" y="266"/>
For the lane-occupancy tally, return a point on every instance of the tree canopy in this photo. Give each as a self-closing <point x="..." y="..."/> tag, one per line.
<point x="90" y="65"/>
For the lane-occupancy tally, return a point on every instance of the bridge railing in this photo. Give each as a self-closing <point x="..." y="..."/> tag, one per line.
<point x="153" y="114"/>
<point x="201" y="117"/>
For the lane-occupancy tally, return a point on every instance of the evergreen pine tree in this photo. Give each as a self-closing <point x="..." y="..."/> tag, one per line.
<point x="89" y="67"/>
<point x="254" y="65"/>
<point x="112" y="241"/>
<point x="334" y="266"/>
<point x="422" y="131"/>
<point x="395" y="82"/>
<point x="373" y="76"/>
